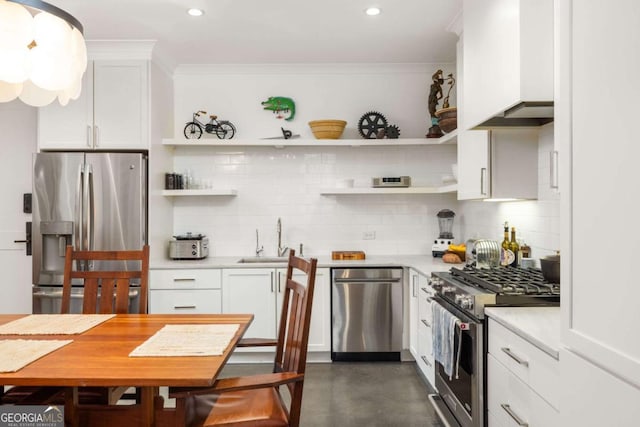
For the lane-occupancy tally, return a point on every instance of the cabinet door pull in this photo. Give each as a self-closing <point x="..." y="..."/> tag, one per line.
<point x="96" y="138"/>
<point x="509" y="353"/>
<point x="186" y="279"/>
<point x="89" y="139"/>
<point x="553" y="170"/>
<point x="427" y="324"/>
<point x="272" y="285"/>
<point x="424" y="359"/>
<point x="516" y="418"/>
<point x="483" y="176"/>
<point x="183" y="307"/>
<point x="414" y="290"/>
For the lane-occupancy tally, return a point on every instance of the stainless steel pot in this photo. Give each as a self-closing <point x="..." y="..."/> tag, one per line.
<point x="550" y="266"/>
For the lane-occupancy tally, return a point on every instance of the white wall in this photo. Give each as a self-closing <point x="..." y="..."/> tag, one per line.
<point x="320" y="91"/>
<point x="286" y="183"/>
<point x="536" y="221"/>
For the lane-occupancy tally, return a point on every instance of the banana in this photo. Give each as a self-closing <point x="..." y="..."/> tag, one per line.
<point x="458" y="248"/>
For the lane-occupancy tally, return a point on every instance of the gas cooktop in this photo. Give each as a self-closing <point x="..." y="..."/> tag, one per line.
<point x="508" y="280"/>
<point x="471" y="289"/>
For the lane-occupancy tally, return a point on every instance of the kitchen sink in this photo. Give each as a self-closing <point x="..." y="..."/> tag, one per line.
<point x="262" y="259"/>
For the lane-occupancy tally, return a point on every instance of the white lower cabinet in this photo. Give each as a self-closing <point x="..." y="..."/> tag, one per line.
<point x="260" y="291"/>
<point x="185" y="291"/>
<point x="522" y="382"/>
<point x="420" y="332"/>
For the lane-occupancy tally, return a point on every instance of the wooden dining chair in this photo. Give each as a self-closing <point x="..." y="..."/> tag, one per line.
<point x="106" y="291"/>
<point x="257" y="400"/>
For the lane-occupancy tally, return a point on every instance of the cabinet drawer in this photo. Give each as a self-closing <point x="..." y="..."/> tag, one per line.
<point x="533" y="366"/>
<point x="425" y="355"/>
<point x="425" y="295"/>
<point x="185" y="301"/>
<point x="513" y="403"/>
<point x="185" y="279"/>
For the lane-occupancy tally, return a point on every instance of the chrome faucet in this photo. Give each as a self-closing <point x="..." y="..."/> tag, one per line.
<point x="281" y="250"/>
<point x="259" y="249"/>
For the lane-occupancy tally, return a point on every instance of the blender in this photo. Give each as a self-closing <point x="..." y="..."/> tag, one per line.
<point x="445" y="238"/>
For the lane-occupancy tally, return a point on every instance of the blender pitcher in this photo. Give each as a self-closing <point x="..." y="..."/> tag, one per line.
<point x="445" y="238"/>
<point x="445" y="223"/>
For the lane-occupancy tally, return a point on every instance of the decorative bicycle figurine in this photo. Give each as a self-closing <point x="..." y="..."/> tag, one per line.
<point x="223" y="129"/>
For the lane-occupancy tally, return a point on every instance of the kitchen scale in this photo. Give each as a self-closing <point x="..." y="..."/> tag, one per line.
<point x="445" y="238"/>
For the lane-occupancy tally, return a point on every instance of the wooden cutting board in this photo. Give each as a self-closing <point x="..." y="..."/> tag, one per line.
<point x="347" y="255"/>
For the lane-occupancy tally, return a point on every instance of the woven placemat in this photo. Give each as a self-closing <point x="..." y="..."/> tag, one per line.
<point x="53" y="324"/>
<point x="16" y="354"/>
<point x="187" y="340"/>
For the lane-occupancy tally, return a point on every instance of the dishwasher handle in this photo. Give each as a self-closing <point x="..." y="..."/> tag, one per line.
<point x="391" y="280"/>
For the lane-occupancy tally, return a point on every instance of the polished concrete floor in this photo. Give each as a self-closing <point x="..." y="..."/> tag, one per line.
<point x="384" y="394"/>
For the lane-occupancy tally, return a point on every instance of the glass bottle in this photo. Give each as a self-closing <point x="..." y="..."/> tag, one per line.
<point x="515" y="248"/>
<point x="506" y="255"/>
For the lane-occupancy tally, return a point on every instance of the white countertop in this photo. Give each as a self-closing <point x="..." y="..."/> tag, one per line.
<point x="425" y="264"/>
<point x="538" y="325"/>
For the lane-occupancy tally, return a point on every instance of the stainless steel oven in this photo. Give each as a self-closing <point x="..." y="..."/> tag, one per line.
<point x="464" y="294"/>
<point x="461" y="395"/>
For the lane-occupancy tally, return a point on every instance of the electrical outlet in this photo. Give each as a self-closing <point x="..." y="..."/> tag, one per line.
<point x="368" y="235"/>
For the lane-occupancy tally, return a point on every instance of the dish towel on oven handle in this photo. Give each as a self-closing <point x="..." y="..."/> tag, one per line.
<point x="444" y="335"/>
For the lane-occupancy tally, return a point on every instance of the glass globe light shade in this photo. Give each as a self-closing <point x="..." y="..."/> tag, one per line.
<point x="16" y="25"/>
<point x="16" y="64"/>
<point x="51" y="69"/>
<point x="51" y="32"/>
<point x="36" y="96"/>
<point x="42" y="57"/>
<point x="9" y="91"/>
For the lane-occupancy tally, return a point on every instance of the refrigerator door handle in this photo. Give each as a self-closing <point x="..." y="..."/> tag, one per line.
<point x="92" y="212"/>
<point x="85" y="209"/>
<point x="77" y="230"/>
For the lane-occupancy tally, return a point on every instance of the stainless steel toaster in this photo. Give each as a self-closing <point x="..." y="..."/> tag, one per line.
<point x="189" y="246"/>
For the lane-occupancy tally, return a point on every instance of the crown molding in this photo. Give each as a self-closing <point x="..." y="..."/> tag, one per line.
<point x="120" y="49"/>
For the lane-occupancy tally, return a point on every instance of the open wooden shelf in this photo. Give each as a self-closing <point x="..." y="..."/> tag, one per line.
<point x="450" y="138"/>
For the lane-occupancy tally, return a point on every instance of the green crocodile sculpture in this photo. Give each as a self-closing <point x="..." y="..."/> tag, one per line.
<point x="279" y="104"/>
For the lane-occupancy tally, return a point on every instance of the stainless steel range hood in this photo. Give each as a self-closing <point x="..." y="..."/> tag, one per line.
<point x="524" y="114"/>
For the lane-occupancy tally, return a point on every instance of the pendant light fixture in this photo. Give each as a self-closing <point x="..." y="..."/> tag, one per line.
<point x="42" y="53"/>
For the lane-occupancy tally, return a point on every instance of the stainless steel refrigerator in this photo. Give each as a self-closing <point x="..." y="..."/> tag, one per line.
<point x="91" y="200"/>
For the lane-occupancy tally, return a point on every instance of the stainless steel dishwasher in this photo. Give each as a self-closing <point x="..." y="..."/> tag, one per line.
<point x="366" y="314"/>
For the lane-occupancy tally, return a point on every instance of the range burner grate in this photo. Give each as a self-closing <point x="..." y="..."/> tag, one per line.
<point x="508" y="280"/>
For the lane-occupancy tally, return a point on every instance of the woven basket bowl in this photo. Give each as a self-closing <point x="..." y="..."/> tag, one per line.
<point x="327" y="129"/>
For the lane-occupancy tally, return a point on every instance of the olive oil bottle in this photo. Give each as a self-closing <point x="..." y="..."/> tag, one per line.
<point x="515" y="248"/>
<point x="506" y="255"/>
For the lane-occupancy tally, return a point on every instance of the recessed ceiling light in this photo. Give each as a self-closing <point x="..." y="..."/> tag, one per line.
<point x="195" y="12"/>
<point x="373" y="11"/>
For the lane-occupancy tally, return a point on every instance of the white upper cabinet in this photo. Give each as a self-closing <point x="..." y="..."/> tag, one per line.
<point x="498" y="164"/>
<point x="508" y="59"/>
<point x="111" y="113"/>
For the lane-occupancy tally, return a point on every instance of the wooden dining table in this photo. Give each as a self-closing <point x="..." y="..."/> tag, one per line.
<point x="100" y="357"/>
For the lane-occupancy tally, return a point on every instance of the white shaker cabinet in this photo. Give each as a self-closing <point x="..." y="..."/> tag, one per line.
<point x="252" y="290"/>
<point x="185" y="291"/>
<point x="320" y="328"/>
<point x="521" y="381"/>
<point x="420" y="321"/>
<point x="260" y="291"/>
<point x="599" y="188"/>
<point x="508" y="56"/>
<point x="498" y="164"/>
<point x="112" y="111"/>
